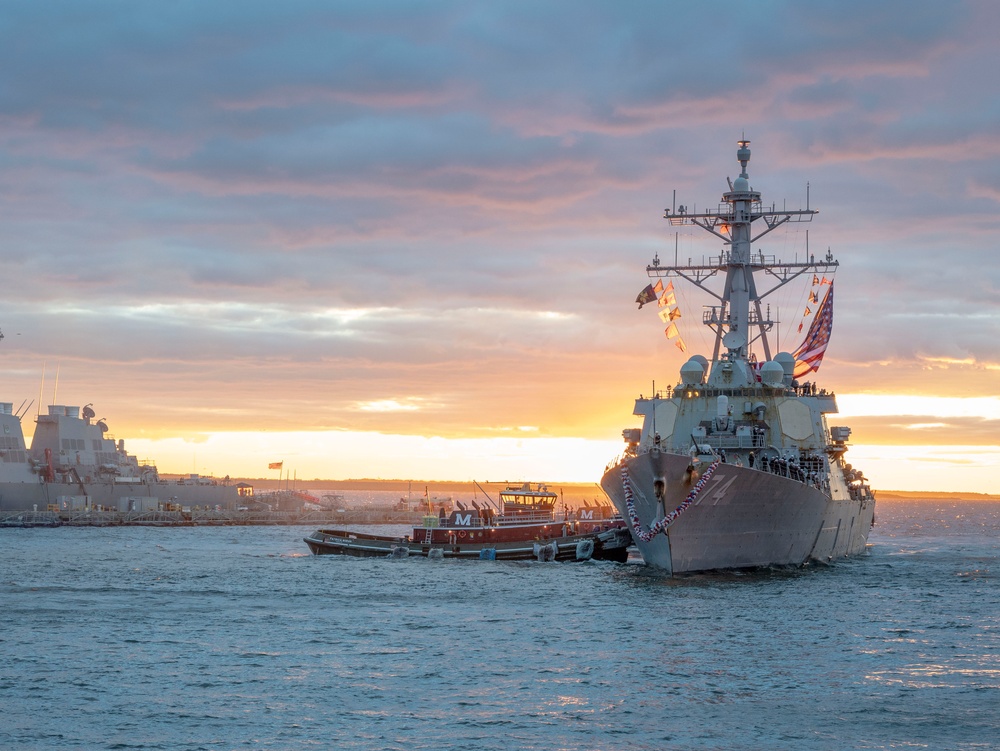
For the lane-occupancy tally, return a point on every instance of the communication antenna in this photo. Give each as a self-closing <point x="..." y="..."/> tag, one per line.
<point x="654" y="408"/>
<point x="492" y="502"/>
<point x="41" y="386"/>
<point x="21" y="414"/>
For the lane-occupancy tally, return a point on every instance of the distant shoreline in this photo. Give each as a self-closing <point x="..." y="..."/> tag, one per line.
<point x="415" y="487"/>
<point x="587" y="489"/>
<point x="922" y="495"/>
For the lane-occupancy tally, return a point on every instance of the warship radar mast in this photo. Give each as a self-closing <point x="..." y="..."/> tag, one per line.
<point x="738" y="320"/>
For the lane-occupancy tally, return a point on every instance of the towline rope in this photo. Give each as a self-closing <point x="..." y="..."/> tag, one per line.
<point x="661" y="526"/>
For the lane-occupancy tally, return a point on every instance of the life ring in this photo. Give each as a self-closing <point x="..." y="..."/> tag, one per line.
<point x="462" y="533"/>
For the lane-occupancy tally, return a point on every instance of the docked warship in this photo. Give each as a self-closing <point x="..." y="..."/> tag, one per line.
<point x="735" y="466"/>
<point x="74" y="464"/>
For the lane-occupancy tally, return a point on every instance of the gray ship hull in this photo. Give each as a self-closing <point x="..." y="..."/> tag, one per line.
<point x="39" y="496"/>
<point x="742" y="517"/>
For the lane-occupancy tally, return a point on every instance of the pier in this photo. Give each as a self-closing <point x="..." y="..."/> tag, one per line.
<point x="192" y="518"/>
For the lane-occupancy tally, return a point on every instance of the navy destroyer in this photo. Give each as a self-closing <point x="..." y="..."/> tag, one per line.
<point x="74" y="464"/>
<point x="736" y="466"/>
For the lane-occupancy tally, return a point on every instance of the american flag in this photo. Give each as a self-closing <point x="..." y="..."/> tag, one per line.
<point x="810" y="353"/>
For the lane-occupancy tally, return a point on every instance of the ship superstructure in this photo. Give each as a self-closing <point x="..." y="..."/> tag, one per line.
<point x="74" y="464"/>
<point x="70" y="447"/>
<point x="736" y="466"/>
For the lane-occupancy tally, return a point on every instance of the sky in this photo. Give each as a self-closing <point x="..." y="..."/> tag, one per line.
<point x="403" y="240"/>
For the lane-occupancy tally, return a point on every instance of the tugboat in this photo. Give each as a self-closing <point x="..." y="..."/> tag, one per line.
<point x="735" y="466"/>
<point x="524" y="528"/>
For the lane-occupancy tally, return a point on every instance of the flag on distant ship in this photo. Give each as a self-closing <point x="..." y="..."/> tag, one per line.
<point x="275" y="465"/>
<point x="672" y="331"/>
<point x="647" y="295"/>
<point x="812" y="297"/>
<point x="675" y="314"/>
<point x="810" y="353"/>
<point x="665" y="315"/>
<point x="680" y="345"/>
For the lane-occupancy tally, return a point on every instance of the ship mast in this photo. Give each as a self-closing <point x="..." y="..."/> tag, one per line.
<point x="738" y="320"/>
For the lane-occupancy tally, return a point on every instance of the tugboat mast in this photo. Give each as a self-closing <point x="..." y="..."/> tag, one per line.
<point x="738" y="320"/>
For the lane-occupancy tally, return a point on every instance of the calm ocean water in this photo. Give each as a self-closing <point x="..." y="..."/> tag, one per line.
<point x="236" y="638"/>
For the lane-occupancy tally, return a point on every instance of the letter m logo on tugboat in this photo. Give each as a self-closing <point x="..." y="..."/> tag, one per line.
<point x="586" y="513"/>
<point x="460" y="520"/>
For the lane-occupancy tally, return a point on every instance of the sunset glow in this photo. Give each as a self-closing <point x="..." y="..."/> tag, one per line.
<point x="406" y="244"/>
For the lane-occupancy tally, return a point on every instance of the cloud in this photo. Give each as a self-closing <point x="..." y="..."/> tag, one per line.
<point x="214" y="214"/>
<point x="390" y="405"/>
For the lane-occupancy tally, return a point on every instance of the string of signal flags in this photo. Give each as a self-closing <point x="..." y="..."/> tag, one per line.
<point x="813" y="299"/>
<point x="808" y="355"/>
<point x="670" y="311"/>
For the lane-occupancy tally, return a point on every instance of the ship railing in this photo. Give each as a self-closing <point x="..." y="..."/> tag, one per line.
<point x="711" y="316"/>
<point x="728" y="213"/>
<point x="616" y="461"/>
<point x="725" y="441"/>
<point x="748" y="392"/>
<point x="527" y="517"/>
<point x="792" y="470"/>
<point x="196" y="517"/>
<point x="30" y="519"/>
<point x="716" y="315"/>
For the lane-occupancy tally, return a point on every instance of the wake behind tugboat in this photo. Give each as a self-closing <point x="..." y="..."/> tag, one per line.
<point x="523" y="527"/>
<point x="735" y="467"/>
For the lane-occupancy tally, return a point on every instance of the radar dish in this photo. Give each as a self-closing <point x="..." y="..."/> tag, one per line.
<point x="734" y="340"/>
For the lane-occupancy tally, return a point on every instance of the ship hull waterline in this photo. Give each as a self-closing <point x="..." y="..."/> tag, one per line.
<point x="742" y="518"/>
<point x="38" y="496"/>
<point x="609" y="545"/>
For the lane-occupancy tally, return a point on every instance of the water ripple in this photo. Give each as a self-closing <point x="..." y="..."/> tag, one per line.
<point x="138" y="638"/>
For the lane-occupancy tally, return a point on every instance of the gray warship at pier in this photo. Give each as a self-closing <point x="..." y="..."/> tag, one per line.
<point x="73" y="465"/>
<point x="736" y="466"/>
